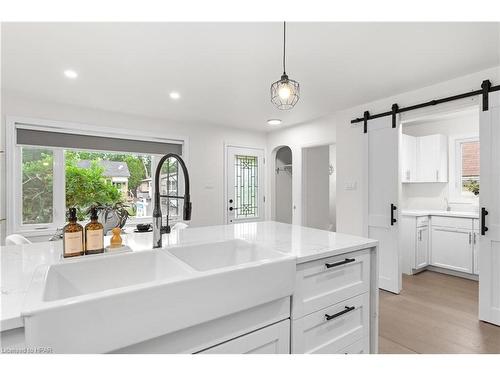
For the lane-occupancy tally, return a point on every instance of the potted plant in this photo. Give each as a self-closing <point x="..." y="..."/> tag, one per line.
<point x="113" y="215"/>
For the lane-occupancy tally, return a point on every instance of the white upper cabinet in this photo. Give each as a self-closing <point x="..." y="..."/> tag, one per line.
<point x="408" y="158"/>
<point x="424" y="159"/>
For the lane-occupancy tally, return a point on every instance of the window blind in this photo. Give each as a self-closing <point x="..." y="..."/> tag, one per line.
<point x="90" y="142"/>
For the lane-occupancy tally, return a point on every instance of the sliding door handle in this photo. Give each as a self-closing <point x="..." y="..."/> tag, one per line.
<point x="484" y="228"/>
<point x="393" y="208"/>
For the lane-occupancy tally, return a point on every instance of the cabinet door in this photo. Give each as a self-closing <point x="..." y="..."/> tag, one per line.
<point x="475" y="252"/>
<point x="452" y="249"/>
<point x="274" y="339"/>
<point x="408" y="158"/>
<point x="432" y="158"/>
<point x="422" y="253"/>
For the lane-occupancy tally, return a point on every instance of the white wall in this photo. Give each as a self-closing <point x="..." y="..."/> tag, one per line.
<point x="206" y="145"/>
<point x="283" y="187"/>
<point x="315" y="187"/>
<point x="433" y="195"/>
<point x="350" y="141"/>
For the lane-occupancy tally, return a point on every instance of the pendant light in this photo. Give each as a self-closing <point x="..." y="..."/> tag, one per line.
<point x="285" y="93"/>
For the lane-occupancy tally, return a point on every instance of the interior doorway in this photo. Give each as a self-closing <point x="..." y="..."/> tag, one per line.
<point x="283" y="185"/>
<point x="319" y="187"/>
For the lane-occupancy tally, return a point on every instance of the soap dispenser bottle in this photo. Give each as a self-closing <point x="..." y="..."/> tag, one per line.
<point x="94" y="234"/>
<point x="72" y="236"/>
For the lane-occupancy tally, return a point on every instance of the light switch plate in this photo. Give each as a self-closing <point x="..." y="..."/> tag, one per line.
<point x="351" y="185"/>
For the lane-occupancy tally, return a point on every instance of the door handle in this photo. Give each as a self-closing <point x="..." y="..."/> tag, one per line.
<point x="345" y="311"/>
<point x="393" y="208"/>
<point x="484" y="228"/>
<point x="233" y="208"/>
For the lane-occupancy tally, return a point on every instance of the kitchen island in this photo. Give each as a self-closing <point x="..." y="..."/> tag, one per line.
<point x="326" y="303"/>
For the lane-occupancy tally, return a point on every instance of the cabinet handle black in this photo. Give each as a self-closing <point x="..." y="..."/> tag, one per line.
<point x="345" y="261"/>
<point x="484" y="228"/>
<point x="345" y="311"/>
<point x="393" y="208"/>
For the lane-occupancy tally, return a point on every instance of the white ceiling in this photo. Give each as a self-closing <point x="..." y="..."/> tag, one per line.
<point x="224" y="70"/>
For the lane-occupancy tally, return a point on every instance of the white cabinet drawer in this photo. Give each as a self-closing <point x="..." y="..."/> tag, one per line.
<point x="452" y="222"/>
<point x="422" y="221"/>
<point x="274" y="339"/>
<point x="328" y="281"/>
<point x="359" y="347"/>
<point x="331" y="329"/>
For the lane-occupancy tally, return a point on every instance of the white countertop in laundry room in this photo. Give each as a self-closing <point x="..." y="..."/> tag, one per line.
<point x="18" y="263"/>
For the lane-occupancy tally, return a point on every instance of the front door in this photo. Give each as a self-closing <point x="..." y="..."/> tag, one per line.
<point x="245" y="184"/>
<point x="489" y="199"/>
<point x="383" y="196"/>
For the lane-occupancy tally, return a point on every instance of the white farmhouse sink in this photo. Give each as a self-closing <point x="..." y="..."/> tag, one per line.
<point x="73" y="279"/>
<point x="223" y="254"/>
<point x="102" y="303"/>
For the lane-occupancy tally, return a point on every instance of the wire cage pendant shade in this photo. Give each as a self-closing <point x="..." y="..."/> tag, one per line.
<point x="285" y="93"/>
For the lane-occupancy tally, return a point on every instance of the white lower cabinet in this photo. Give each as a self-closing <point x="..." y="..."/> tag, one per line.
<point x="274" y="339"/>
<point x="415" y="244"/>
<point x="422" y="248"/>
<point x="331" y="329"/>
<point x="359" y="347"/>
<point x="452" y="249"/>
<point x="475" y="252"/>
<point x="446" y="242"/>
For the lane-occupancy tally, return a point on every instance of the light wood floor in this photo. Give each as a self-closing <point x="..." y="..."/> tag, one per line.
<point x="435" y="313"/>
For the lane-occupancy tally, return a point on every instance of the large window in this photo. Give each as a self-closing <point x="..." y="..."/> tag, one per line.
<point x="50" y="179"/>
<point x="37" y="185"/>
<point x="469" y="178"/>
<point x="108" y="178"/>
<point x="466" y="168"/>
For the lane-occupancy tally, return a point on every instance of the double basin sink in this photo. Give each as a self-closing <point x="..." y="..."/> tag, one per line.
<point x="106" y="302"/>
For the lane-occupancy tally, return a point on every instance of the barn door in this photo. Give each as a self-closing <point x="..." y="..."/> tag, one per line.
<point x="383" y="194"/>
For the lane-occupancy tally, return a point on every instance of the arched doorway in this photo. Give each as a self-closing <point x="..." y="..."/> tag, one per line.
<point x="283" y="185"/>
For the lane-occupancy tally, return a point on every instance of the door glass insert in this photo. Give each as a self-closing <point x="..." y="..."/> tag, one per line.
<point x="246" y="186"/>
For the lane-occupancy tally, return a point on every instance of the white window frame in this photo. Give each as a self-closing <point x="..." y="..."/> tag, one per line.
<point x="455" y="151"/>
<point x="14" y="167"/>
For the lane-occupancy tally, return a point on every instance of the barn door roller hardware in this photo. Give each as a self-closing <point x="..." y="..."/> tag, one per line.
<point x="486" y="88"/>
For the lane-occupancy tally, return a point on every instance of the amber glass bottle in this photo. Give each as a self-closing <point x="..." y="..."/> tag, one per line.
<point x="94" y="234"/>
<point x="72" y="236"/>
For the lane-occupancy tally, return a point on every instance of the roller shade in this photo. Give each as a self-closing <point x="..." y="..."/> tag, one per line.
<point x="89" y="142"/>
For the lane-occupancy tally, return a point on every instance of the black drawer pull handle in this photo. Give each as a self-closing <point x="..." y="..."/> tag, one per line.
<point x="345" y="311"/>
<point x="347" y="260"/>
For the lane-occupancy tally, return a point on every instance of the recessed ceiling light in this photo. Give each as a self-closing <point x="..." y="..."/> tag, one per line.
<point x="274" y="121"/>
<point x="70" y="74"/>
<point x="175" y="95"/>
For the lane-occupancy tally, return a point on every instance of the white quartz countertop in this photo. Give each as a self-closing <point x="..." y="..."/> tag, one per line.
<point x="464" y="214"/>
<point x="18" y="263"/>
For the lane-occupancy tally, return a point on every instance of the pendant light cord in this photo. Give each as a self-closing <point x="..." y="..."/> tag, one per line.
<point x="284" y="46"/>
